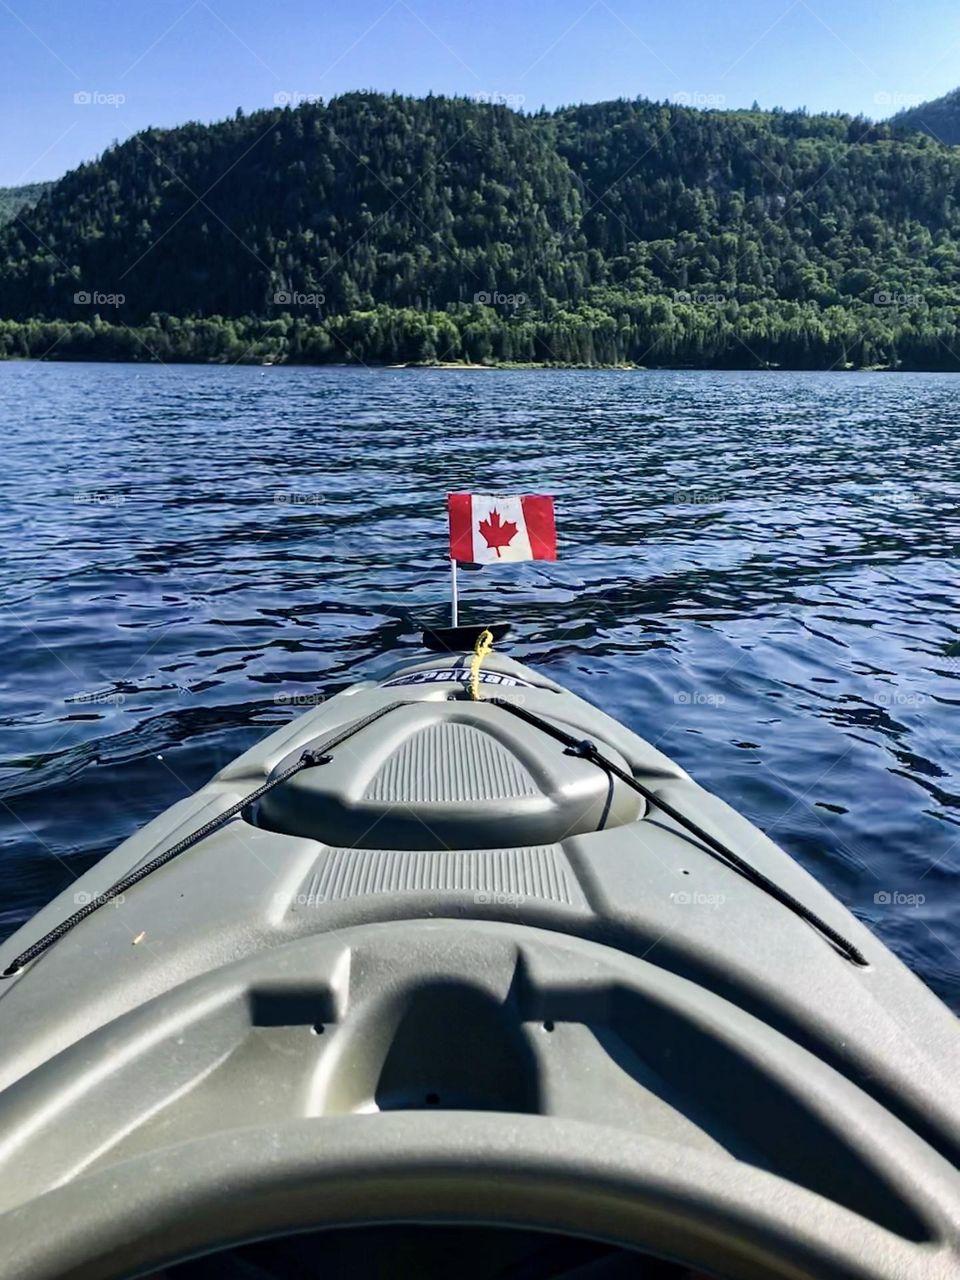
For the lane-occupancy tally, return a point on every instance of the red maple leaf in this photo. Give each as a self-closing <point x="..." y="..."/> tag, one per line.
<point x="497" y="533"/>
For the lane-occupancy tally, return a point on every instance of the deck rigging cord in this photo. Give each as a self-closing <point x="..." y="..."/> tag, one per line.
<point x="311" y="758"/>
<point x="588" y="750"/>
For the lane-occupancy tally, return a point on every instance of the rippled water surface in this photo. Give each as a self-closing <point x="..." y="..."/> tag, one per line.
<point x="758" y="573"/>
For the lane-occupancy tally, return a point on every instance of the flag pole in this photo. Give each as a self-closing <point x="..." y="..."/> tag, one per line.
<point x="453" y="593"/>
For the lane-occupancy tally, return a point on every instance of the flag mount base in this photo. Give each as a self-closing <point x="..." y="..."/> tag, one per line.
<point x="461" y="639"/>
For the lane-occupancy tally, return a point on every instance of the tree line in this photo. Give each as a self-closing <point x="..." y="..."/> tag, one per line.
<point x="380" y="228"/>
<point x="650" y="332"/>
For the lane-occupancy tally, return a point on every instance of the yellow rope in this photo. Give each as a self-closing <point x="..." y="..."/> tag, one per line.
<point x="480" y="650"/>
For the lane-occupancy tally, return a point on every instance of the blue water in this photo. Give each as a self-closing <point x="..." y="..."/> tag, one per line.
<point x="758" y="573"/>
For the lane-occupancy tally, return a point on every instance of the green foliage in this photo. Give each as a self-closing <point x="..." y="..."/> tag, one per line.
<point x="939" y="118"/>
<point x="386" y="229"/>
<point x="14" y="200"/>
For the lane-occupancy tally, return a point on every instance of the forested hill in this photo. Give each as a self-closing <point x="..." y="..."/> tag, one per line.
<point x="387" y="228"/>
<point x="14" y="199"/>
<point x="939" y="118"/>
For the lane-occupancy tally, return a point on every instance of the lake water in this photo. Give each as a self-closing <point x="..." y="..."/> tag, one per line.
<point x="758" y="573"/>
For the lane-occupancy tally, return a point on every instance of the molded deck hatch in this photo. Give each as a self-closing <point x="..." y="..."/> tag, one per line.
<point x="450" y="762"/>
<point x="439" y="775"/>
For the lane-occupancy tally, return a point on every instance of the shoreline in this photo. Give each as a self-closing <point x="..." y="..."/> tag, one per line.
<point x="448" y="366"/>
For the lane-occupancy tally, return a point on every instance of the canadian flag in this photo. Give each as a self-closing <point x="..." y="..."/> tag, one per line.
<point x="488" y="530"/>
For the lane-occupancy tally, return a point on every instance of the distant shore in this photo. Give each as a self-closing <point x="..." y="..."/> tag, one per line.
<point x="504" y="364"/>
<point x="449" y="366"/>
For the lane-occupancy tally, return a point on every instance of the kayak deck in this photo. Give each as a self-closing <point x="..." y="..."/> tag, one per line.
<point x="455" y="915"/>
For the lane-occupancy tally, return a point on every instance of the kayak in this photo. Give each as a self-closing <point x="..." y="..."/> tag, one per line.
<point x="456" y="975"/>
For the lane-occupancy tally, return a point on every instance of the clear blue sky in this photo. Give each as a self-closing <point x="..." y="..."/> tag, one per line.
<point x="176" y="60"/>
